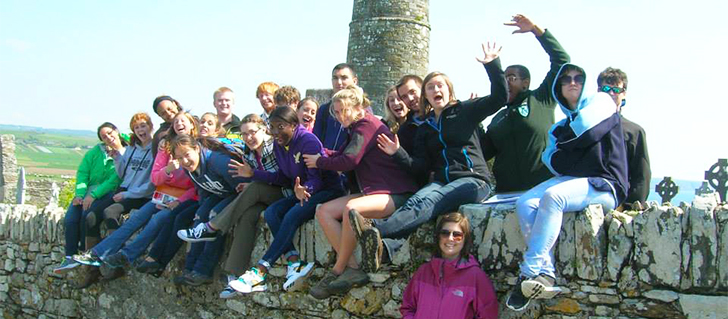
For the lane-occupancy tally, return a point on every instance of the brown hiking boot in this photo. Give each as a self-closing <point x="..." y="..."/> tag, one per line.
<point x="321" y="289"/>
<point x="350" y="278"/>
<point x="368" y="237"/>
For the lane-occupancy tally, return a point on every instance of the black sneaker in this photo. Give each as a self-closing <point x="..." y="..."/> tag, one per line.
<point x="197" y="279"/>
<point x="182" y="279"/>
<point x="540" y="287"/>
<point x="117" y="260"/>
<point x="516" y="300"/>
<point x="197" y="234"/>
<point x="149" y="267"/>
<point x="321" y="289"/>
<point x="350" y="278"/>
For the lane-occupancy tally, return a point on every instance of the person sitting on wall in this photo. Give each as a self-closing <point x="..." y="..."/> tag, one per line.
<point x="224" y="101"/>
<point x="587" y="155"/>
<point x="614" y="82"/>
<point x="287" y="96"/>
<point x="264" y="93"/>
<point x="326" y="128"/>
<point x="517" y="135"/>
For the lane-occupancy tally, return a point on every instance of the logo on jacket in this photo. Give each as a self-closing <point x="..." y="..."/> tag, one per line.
<point x="458" y="292"/>
<point x="297" y="157"/>
<point x="211" y="186"/>
<point x="523" y="109"/>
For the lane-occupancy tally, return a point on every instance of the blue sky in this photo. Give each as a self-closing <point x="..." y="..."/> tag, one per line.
<point x="75" y="64"/>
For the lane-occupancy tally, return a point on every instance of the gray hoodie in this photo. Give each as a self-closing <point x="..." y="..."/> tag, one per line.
<point x="134" y="167"/>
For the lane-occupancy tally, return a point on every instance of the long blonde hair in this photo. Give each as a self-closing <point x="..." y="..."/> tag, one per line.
<point x="352" y="98"/>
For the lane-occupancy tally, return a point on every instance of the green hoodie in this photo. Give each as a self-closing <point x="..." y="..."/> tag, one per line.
<point x="96" y="174"/>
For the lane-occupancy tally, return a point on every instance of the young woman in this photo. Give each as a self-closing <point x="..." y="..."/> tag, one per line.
<point x="166" y="107"/>
<point x="384" y="187"/>
<point x="206" y="161"/>
<point x="451" y="284"/>
<point x="447" y="144"/>
<point x="243" y="213"/>
<point x="395" y="111"/>
<point x="307" y="109"/>
<point x="311" y="186"/>
<point x="587" y="155"/>
<point x="133" y="165"/>
<point x="107" y="253"/>
<point x="210" y="125"/>
<point x="96" y="180"/>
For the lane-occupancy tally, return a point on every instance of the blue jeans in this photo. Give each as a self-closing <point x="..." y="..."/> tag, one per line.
<point x="540" y="212"/>
<point x="138" y="219"/>
<point x="285" y="216"/>
<point x="203" y="256"/>
<point x="427" y="204"/>
<point x="167" y="243"/>
<point x="75" y="223"/>
<point x="136" y="248"/>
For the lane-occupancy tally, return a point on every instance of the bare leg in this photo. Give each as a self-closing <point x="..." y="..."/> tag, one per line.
<point x="329" y="216"/>
<point x="372" y="206"/>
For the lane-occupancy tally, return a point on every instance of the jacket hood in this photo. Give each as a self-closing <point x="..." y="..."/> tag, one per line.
<point x="559" y="98"/>
<point x="452" y="265"/>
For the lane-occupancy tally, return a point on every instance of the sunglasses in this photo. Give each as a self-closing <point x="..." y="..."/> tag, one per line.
<point x="607" y="88"/>
<point x="566" y="79"/>
<point x="456" y="235"/>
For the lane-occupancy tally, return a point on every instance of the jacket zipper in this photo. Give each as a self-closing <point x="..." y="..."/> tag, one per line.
<point x="467" y="159"/>
<point x="444" y="149"/>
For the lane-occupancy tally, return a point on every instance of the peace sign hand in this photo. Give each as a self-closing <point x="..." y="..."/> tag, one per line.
<point x="490" y="53"/>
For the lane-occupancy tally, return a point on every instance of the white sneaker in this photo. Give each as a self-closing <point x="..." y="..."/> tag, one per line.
<point x="229" y="292"/>
<point x="249" y="282"/>
<point x="297" y="273"/>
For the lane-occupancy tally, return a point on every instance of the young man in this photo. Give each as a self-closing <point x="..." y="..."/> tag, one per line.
<point x="614" y="82"/>
<point x="287" y="96"/>
<point x="224" y="101"/>
<point x="517" y="135"/>
<point x="408" y="88"/>
<point x="264" y="93"/>
<point x="326" y="127"/>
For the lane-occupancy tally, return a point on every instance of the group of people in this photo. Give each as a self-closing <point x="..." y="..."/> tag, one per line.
<point x="367" y="180"/>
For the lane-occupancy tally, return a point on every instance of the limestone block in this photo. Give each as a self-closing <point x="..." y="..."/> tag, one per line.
<point x="650" y="309"/>
<point x="703" y="242"/>
<point x="604" y="299"/>
<point x="658" y="235"/>
<point x="620" y="236"/>
<point x="591" y="242"/>
<point x="391" y="309"/>
<point x="364" y="301"/>
<point x="477" y="215"/>
<point x="661" y="295"/>
<point x="563" y="305"/>
<point x="502" y="244"/>
<point x="566" y="247"/>
<point x="325" y="254"/>
<point x="704" y="307"/>
<point x="721" y="218"/>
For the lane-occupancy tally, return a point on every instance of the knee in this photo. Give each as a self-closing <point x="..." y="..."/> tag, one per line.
<point x="553" y="200"/>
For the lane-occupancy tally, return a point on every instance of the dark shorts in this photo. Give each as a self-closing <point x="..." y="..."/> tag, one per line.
<point x="400" y="199"/>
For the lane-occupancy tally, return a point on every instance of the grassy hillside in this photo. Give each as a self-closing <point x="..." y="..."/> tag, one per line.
<point x="51" y="152"/>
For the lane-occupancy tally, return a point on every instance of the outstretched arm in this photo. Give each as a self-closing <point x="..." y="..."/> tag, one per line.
<point x="524" y="25"/>
<point x="478" y="109"/>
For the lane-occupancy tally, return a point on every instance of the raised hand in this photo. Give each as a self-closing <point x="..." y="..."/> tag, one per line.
<point x="387" y="145"/>
<point x="301" y="192"/>
<point x="524" y="25"/>
<point x="490" y="53"/>
<point x="172" y="166"/>
<point x="310" y="160"/>
<point x="237" y="169"/>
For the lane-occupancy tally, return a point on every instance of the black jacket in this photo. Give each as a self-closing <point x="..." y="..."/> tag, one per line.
<point x="449" y="145"/>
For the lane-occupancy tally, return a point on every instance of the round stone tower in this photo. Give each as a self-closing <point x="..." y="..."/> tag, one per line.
<point x="388" y="39"/>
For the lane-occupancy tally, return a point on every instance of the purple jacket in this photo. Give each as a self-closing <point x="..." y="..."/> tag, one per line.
<point x="449" y="289"/>
<point x="376" y="172"/>
<point x="291" y="165"/>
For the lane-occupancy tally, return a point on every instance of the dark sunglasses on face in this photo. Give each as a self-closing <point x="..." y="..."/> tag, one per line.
<point x="456" y="235"/>
<point x="607" y="88"/>
<point x="566" y="79"/>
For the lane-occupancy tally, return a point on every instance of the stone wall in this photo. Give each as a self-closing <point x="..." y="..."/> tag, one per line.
<point x="8" y="169"/>
<point x="665" y="262"/>
<point x="388" y="39"/>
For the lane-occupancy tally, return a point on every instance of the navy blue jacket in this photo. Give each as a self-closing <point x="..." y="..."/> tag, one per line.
<point x="212" y="177"/>
<point x="328" y="129"/>
<point x="589" y="142"/>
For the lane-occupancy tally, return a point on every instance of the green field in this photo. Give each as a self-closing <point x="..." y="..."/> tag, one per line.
<point x="66" y="151"/>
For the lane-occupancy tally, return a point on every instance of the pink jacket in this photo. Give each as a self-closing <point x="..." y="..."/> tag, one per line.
<point x="447" y="289"/>
<point x="178" y="178"/>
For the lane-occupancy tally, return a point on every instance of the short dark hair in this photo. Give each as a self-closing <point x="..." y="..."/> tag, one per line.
<point x="522" y="71"/>
<point x="462" y="221"/>
<point x="613" y="76"/>
<point x="407" y="78"/>
<point x="284" y="114"/>
<point x="342" y="66"/>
